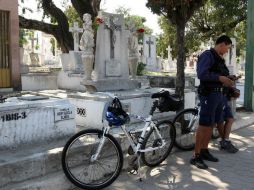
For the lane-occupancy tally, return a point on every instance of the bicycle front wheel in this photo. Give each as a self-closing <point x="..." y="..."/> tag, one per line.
<point x="79" y="164"/>
<point x="155" y="157"/>
<point x="186" y="123"/>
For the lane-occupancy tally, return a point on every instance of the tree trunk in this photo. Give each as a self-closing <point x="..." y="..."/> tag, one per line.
<point x="86" y="6"/>
<point x="180" y="77"/>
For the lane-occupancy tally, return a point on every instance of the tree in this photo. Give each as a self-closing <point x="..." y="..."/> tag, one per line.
<point x="208" y="21"/>
<point x="177" y="12"/>
<point x="138" y="20"/>
<point x="59" y="27"/>
<point x="168" y="37"/>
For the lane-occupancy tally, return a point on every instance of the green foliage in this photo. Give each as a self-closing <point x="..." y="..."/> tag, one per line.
<point x="176" y="11"/>
<point x="138" y="20"/>
<point x="72" y="16"/>
<point x="206" y="23"/>
<point x="141" y="68"/>
<point x="37" y="46"/>
<point x="168" y="37"/>
<point x="219" y="17"/>
<point x="22" y="37"/>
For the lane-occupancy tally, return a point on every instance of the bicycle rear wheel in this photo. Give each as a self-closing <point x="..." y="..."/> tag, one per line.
<point x="185" y="131"/>
<point x="79" y="167"/>
<point x="155" y="157"/>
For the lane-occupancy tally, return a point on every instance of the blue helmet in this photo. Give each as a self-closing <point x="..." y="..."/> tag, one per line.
<point x="116" y="120"/>
<point x="115" y="114"/>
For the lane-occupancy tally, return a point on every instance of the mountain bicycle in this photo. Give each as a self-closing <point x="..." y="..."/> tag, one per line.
<point x="186" y="123"/>
<point x="93" y="158"/>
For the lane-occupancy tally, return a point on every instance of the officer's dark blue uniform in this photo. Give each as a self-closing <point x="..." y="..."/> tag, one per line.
<point x="209" y="67"/>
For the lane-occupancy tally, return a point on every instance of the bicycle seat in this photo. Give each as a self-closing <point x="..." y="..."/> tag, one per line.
<point x="164" y="94"/>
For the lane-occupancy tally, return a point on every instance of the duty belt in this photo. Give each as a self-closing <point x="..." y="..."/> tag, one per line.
<point x="217" y="89"/>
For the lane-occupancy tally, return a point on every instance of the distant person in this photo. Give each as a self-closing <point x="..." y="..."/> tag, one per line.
<point x="212" y="75"/>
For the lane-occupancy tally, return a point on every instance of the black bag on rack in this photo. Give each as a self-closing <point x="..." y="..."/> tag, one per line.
<point x="168" y="102"/>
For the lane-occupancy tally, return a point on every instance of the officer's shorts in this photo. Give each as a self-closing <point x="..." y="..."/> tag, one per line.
<point x="211" y="109"/>
<point x="227" y="111"/>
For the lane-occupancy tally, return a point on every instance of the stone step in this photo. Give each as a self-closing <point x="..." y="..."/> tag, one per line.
<point x="29" y="162"/>
<point x="36" y="161"/>
<point x="38" y="169"/>
<point x="52" y="181"/>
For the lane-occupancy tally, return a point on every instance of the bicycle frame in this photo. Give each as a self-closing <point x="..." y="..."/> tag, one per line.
<point x="148" y="123"/>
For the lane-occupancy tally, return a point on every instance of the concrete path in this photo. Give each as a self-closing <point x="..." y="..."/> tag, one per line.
<point x="232" y="172"/>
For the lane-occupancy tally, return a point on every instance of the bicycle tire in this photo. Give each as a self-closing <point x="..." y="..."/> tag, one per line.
<point x="150" y="158"/>
<point x="185" y="137"/>
<point x="86" y="169"/>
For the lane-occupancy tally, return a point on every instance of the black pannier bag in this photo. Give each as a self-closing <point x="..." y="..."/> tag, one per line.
<point x="168" y="102"/>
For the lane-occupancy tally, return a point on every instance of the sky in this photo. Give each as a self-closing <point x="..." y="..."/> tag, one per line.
<point x="137" y="7"/>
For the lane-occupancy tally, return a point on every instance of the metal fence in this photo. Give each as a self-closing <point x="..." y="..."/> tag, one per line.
<point x="5" y="70"/>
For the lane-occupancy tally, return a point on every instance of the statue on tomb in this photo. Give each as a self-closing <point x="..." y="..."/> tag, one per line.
<point x="87" y="38"/>
<point x="133" y="44"/>
<point x="87" y="45"/>
<point x="133" y="40"/>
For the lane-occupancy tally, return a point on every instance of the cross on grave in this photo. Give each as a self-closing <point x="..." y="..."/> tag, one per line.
<point x="76" y="30"/>
<point x="169" y="49"/>
<point x="32" y="42"/>
<point x="110" y="25"/>
<point x="149" y="42"/>
<point x="141" y="51"/>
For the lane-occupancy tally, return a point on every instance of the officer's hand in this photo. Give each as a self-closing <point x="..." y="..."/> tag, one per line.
<point x="226" y="81"/>
<point x="232" y="77"/>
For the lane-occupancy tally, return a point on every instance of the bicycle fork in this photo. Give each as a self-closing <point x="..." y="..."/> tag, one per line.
<point x="101" y="143"/>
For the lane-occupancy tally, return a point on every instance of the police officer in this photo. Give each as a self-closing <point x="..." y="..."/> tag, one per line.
<point x="213" y="76"/>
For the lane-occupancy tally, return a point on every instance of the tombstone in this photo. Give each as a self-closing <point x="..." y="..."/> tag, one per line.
<point x="35" y="60"/>
<point x="72" y="61"/>
<point x="76" y="30"/>
<point x="111" y="58"/>
<point x="73" y="68"/>
<point x="150" y="56"/>
<point x="32" y="119"/>
<point x="170" y="60"/>
<point x="230" y="58"/>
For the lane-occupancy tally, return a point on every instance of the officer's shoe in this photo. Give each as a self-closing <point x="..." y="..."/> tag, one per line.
<point x="228" y="146"/>
<point x="206" y="155"/>
<point x="198" y="161"/>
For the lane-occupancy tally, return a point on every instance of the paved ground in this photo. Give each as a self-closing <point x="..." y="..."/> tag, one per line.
<point x="232" y="172"/>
